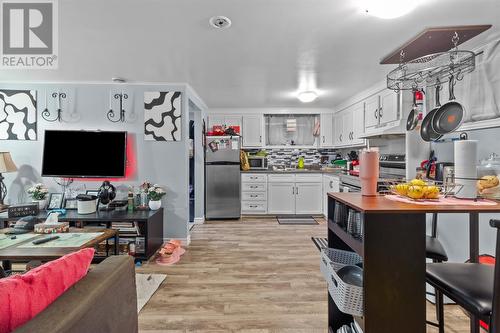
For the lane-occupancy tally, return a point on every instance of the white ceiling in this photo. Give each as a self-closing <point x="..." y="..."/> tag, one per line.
<point x="259" y="61"/>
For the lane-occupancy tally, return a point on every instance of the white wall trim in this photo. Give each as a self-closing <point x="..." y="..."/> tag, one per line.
<point x="199" y="220"/>
<point x="184" y="241"/>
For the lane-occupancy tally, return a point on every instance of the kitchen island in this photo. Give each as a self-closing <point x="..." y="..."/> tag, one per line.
<point x="393" y="251"/>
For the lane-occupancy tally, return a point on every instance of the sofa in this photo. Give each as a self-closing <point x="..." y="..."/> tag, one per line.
<point x="105" y="300"/>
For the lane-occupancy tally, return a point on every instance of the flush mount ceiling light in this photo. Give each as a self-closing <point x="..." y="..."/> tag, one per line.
<point x="220" y="22"/>
<point x="307" y="96"/>
<point x="389" y="9"/>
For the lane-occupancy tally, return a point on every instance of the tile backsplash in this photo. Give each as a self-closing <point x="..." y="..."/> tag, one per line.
<point x="286" y="156"/>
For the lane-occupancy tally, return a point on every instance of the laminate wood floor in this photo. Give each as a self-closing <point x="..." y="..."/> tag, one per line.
<point x="252" y="275"/>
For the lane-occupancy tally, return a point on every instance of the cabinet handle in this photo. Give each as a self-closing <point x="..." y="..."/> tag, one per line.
<point x="293" y="190"/>
<point x="253" y="186"/>
<point x="331" y="183"/>
<point x="380" y="113"/>
<point x="253" y="206"/>
<point x="340" y="137"/>
<point x="297" y="190"/>
<point x="253" y="196"/>
<point x="323" y="139"/>
<point x="376" y="113"/>
<point x="260" y="139"/>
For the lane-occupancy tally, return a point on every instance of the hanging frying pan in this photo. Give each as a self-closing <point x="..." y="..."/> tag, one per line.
<point x="412" y="121"/>
<point x="426" y="131"/>
<point x="450" y="116"/>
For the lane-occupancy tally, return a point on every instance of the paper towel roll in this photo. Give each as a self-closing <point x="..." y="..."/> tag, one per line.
<point x="466" y="167"/>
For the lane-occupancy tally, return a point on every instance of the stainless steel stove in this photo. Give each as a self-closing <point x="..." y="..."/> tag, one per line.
<point x="392" y="167"/>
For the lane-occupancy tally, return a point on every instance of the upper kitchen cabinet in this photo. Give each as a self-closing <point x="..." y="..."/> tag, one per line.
<point x="348" y="126"/>
<point x="326" y="130"/>
<point x="382" y="111"/>
<point x="252" y="131"/>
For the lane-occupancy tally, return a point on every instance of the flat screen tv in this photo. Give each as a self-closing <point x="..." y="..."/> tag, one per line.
<point x="84" y="154"/>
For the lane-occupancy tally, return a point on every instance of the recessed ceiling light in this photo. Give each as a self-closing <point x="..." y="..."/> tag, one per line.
<point x="307" y="96"/>
<point x="389" y="9"/>
<point x="220" y="22"/>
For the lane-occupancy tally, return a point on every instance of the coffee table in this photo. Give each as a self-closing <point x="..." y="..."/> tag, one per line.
<point x="24" y="250"/>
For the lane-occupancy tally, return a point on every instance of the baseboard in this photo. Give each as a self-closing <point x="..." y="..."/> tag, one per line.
<point x="184" y="241"/>
<point x="199" y="220"/>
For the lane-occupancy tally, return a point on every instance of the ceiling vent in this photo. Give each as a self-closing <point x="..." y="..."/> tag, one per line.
<point x="220" y="22"/>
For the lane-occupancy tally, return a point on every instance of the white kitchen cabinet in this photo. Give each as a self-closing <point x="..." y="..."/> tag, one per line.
<point x="388" y="107"/>
<point x="381" y="109"/>
<point x="308" y="198"/>
<point x="358" y="128"/>
<point x="253" y="193"/>
<point x="326" y="128"/>
<point x="338" y="130"/>
<point x="372" y="105"/>
<point x="330" y="184"/>
<point x="214" y="120"/>
<point x="281" y="198"/>
<point x="252" y="131"/>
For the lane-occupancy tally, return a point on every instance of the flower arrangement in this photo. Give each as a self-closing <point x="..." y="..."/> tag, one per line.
<point x="155" y="192"/>
<point x="38" y="192"/>
<point x="144" y="187"/>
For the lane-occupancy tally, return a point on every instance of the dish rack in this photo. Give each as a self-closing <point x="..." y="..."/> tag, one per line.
<point x="348" y="298"/>
<point x="445" y="189"/>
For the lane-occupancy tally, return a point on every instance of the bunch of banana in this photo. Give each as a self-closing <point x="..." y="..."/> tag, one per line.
<point x="417" y="189"/>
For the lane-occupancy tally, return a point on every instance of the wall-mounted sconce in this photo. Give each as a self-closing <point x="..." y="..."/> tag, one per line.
<point x="47" y="115"/>
<point x="112" y="115"/>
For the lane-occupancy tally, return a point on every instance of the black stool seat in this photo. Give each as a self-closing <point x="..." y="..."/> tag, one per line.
<point x="435" y="250"/>
<point x="470" y="285"/>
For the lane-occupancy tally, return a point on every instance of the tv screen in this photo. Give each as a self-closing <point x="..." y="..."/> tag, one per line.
<point x="79" y="154"/>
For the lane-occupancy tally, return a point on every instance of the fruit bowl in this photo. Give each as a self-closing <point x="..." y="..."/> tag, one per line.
<point x="421" y="190"/>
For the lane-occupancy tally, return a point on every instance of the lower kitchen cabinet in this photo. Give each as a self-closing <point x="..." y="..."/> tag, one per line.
<point x="308" y="198"/>
<point x="295" y="194"/>
<point x="330" y="184"/>
<point x="253" y="193"/>
<point x="281" y="198"/>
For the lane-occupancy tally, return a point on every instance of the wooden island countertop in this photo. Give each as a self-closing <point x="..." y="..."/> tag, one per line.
<point x="380" y="204"/>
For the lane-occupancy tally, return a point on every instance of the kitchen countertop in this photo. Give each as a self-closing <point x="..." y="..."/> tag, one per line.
<point x="320" y="171"/>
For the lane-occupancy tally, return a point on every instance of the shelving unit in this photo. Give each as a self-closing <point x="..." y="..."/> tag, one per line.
<point x="394" y="288"/>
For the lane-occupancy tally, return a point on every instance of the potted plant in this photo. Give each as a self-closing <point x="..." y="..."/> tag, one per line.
<point x="39" y="193"/>
<point x="155" y="193"/>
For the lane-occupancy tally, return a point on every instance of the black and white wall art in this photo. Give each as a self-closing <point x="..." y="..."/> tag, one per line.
<point x="18" y="115"/>
<point x="162" y="116"/>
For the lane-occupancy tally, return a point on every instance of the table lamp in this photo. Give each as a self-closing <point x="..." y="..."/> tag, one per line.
<point x="6" y="165"/>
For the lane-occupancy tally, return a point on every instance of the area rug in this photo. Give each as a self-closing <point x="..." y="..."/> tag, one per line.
<point x="321" y="243"/>
<point x="147" y="285"/>
<point x="308" y="220"/>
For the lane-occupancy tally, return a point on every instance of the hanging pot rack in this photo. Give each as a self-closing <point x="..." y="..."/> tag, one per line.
<point x="428" y="70"/>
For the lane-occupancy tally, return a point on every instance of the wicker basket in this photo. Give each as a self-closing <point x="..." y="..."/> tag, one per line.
<point x="348" y="298"/>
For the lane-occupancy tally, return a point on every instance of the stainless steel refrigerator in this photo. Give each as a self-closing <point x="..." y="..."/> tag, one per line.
<point x="222" y="177"/>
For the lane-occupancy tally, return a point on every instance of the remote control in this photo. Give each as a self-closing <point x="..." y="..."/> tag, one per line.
<point x="45" y="240"/>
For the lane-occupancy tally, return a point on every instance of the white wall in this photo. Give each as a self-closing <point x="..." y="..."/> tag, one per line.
<point x="165" y="163"/>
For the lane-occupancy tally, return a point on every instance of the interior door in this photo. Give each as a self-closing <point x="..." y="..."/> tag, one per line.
<point x="281" y="198"/>
<point x="308" y="198"/>
<point x="371" y="111"/>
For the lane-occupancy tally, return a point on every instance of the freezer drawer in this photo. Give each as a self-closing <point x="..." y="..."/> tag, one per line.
<point x="223" y="192"/>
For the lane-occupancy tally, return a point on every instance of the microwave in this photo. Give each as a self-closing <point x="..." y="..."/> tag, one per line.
<point x="257" y="162"/>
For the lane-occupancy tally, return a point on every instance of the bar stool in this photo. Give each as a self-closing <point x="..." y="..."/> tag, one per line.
<point x="473" y="286"/>
<point x="435" y="251"/>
